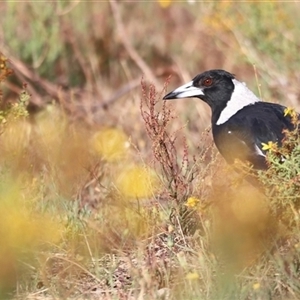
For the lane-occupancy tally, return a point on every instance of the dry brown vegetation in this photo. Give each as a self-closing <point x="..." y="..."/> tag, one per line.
<point x="106" y="191"/>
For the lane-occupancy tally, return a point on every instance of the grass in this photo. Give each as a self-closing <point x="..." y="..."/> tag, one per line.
<point x="106" y="192"/>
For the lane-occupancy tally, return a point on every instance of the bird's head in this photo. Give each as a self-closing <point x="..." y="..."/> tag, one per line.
<point x="219" y="89"/>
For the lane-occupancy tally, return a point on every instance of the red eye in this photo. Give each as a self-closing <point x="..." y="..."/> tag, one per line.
<point x="207" y="82"/>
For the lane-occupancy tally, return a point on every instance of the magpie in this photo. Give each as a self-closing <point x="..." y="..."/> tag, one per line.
<point x="241" y="122"/>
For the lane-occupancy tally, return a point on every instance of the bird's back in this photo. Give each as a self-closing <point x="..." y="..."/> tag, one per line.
<point x="241" y="137"/>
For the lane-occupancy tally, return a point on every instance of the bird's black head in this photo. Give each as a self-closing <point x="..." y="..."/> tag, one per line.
<point x="214" y="87"/>
<point x="220" y="90"/>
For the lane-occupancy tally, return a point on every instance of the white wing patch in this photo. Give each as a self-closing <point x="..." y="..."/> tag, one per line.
<point x="240" y="98"/>
<point x="256" y="148"/>
<point x="259" y="152"/>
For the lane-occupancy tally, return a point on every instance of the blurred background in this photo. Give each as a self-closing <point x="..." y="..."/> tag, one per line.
<point x="73" y="140"/>
<point x="91" y="56"/>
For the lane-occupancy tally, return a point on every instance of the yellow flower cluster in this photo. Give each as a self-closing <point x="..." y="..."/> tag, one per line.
<point x="192" y="276"/>
<point x="137" y="182"/>
<point x="164" y="3"/>
<point x="192" y="202"/>
<point x="111" y="144"/>
<point x="289" y="111"/>
<point x="256" y="286"/>
<point x="270" y="146"/>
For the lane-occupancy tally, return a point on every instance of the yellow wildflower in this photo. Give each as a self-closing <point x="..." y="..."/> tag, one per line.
<point x="269" y="146"/>
<point x="137" y="181"/>
<point x="256" y="286"/>
<point x="192" y="275"/>
<point x="112" y="144"/>
<point x="164" y="3"/>
<point x="191" y="202"/>
<point x="289" y="111"/>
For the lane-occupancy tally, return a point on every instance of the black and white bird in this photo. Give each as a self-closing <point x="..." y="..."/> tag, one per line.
<point x="241" y="122"/>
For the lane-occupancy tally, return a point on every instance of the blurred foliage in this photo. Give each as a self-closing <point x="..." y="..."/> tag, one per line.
<point x="137" y="182"/>
<point x="282" y="177"/>
<point x="87" y="207"/>
<point x="37" y="38"/>
<point x="111" y="144"/>
<point x="5" y="71"/>
<point x="78" y="45"/>
<point x="257" y="28"/>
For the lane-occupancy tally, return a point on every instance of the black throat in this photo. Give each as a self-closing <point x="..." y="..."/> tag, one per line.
<point x="217" y="98"/>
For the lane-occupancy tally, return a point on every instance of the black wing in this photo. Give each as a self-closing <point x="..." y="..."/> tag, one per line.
<point x="241" y="137"/>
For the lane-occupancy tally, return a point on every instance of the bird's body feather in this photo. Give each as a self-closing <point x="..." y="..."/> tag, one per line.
<point x="241" y="122"/>
<point x="241" y="137"/>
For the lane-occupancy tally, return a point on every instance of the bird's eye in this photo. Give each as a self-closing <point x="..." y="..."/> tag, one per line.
<point x="207" y="82"/>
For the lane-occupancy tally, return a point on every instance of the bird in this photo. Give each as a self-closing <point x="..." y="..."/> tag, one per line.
<point x="241" y="122"/>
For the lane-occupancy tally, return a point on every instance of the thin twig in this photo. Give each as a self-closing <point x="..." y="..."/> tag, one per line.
<point x="129" y="48"/>
<point x="123" y="90"/>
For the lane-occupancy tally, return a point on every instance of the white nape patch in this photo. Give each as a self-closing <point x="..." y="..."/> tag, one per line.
<point x="188" y="90"/>
<point x="240" y="98"/>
